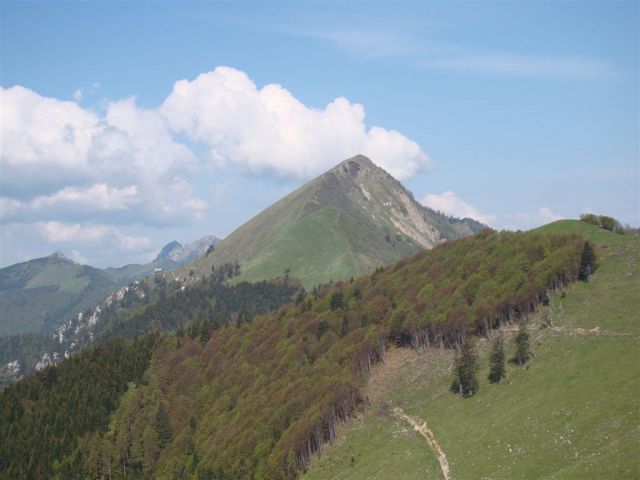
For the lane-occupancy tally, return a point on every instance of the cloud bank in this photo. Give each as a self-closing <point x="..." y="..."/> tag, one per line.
<point x="83" y="171"/>
<point x="451" y="204"/>
<point x="268" y="129"/>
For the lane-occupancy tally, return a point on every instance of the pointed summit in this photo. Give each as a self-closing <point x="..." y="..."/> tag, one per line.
<point x="61" y="256"/>
<point x="348" y="221"/>
<point x="185" y="253"/>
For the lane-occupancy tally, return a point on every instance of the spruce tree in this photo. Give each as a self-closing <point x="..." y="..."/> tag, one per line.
<point x="163" y="426"/>
<point x="345" y="326"/>
<point x="522" y="346"/>
<point x="587" y="262"/>
<point x="497" y="369"/>
<point x="466" y="379"/>
<point x="337" y="300"/>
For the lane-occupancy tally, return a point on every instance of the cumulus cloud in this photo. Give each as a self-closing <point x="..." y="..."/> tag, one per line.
<point x="99" y="196"/>
<point x="524" y="220"/>
<point x="93" y="235"/>
<point x="44" y="141"/>
<point x="79" y="93"/>
<point x="268" y="129"/>
<point x="61" y="162"/>
<point x="82" y="176"/>
<point x="448" y="202"/>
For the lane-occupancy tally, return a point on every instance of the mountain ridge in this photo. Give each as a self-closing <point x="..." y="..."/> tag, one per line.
<point x="182" y="254"/>
<point x="36" y="295"/>
<point x="346" y="222"/>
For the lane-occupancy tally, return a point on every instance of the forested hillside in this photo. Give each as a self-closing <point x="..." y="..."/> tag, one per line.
<point x="44" y="415"/>
<point x="257" y="399"/>
<point x="570" y="412"/>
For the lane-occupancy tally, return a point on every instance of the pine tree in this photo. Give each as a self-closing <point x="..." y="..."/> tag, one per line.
<point x="163" y="426"/>
<point x="497" y="369"/>
<point x="466" y="379"/>
<point x="345" y="326"/>
<point x="522" y="346"/>
<point x="337" y="300"/>
<point x="587" y="262"/>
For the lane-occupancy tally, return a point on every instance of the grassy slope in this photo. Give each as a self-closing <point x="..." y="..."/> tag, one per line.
<point x="35" y="296"/>
<point x="136" y="271"/>
<point x="317" y="242"/>
<point x="573" y="412"/>
<point x="327" y="230"/>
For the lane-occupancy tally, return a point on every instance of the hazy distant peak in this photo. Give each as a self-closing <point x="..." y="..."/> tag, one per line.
<point x="61" y="256"/>
<point x="185" y="253"/>
<point x="168" y="249"/>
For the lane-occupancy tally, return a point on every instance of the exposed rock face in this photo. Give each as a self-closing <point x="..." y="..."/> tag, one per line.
<point x="186" y="253"/>
<point x="346" y="222"/>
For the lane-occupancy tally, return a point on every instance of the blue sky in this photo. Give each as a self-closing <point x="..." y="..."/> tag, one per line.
<point x="515" y="113"/>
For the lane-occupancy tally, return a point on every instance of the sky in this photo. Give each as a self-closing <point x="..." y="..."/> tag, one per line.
<point x="126" y="125"/>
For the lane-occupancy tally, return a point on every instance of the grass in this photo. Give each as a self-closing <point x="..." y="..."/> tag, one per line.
<point x="326" y="230"/>
<point x="36" y="296"/>
<point x="572" y="412"/>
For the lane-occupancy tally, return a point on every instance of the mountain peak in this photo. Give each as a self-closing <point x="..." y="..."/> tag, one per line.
<point x="61" y="256"/>
<point x="185" y="253"/>
<point x="346" y="222"/>
<point x="168" y="249"/>
<point x="352" y="166"/>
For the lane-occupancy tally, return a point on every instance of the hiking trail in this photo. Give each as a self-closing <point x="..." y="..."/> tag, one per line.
<point x="421" y="427"/>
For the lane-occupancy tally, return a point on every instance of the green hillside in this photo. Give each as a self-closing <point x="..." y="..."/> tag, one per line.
<point x="346" y="222"/>
<point x="257" y="399"/>
<point x="136" y="271"/>
<point x="572" y="412"/>
<point x="35" y="296"/>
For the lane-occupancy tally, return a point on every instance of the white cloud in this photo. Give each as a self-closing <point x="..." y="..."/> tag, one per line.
<point x="82" y="177"/>
<point x="39" y="132"/>
<point x="268" y="129"/>
<point x="367" y="43"/>
<point x="99" y="197"/>
<point x="61" y="162"/>
<point x="78" y="257"/>
<point x="448" y="202"/>
<point x="385" y="41"/>
<point x="93" y="235"/>
<point x="526" y="220"/>
<point x="9" y="206"/>
<point x="79" y="93"/>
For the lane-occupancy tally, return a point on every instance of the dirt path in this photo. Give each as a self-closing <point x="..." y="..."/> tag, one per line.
<point x="429" y="436"/>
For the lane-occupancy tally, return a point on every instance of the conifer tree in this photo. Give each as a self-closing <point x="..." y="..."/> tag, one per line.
<point x="497" y="369"/>
<point x="163" y="426"/>
<point x="345" y="326"/>
<point x="466" y="379"/>
<point x="522" y="346"/>
<point x="337" y="300"/>
<point x="587" y="262"/>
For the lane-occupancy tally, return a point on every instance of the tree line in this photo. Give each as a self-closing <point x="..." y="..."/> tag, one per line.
<point x="257" y="398"/>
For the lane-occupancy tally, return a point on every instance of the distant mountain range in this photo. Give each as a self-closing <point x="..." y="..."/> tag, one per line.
<point x="183" y="254"/>
<point x="346" y="222"/>
<point x="38" y="295"/>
